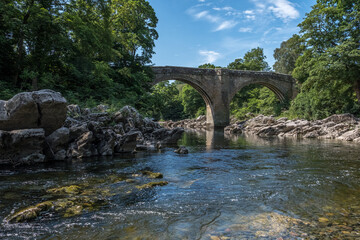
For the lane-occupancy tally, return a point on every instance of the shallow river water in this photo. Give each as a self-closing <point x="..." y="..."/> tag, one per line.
<point x="226" y="188"/>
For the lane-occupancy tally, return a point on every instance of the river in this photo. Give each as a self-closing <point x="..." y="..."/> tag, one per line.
<point x="238" y="187"/>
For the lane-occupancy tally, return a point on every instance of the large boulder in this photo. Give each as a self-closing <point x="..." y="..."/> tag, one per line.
<point x="40" y="109"/>
<point x="22" y="146"/>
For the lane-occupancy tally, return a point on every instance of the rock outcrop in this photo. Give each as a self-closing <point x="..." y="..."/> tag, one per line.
<point x="104" y="133"/>
<point x="38" y="126"/>
<point x="198" y="123"/>
<point x="339" y="126"/>
<point x="40" y="109"/>
<point x="22" y="146"/>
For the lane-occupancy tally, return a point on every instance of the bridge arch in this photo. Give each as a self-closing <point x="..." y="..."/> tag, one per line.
<point x="276" y="90"/>
<point x="193" y="83"/>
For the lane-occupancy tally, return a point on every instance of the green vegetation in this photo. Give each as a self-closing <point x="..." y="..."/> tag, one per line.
<point x="254" y="98"/>
<point x="328" y="69"/>
<point x="91" y="51"/>
<point x="96" y="52"/>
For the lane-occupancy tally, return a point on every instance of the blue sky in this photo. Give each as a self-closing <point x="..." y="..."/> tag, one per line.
<point x="193" y="32"/>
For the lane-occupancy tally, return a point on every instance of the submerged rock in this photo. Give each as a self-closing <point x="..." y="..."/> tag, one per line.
<point x="29" y="213"/>
<point x="152" y="184"/>
<point x="182" y="150"/>
<point x="150" y="174"/>
<point x="73" y="189"/>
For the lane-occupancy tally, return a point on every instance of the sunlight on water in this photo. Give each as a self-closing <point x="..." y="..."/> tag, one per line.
<point x="226" y="188"/>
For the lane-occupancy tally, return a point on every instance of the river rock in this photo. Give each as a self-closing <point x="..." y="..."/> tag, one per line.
<point x="83" y="146"/>
<point x="181" y="150"/>
<point x="128" y="142"/>
<point x="23" y="146"/>
<point x="107" y="139"/>
<point x="40" y="109"/>
<point x="58" y="139"/>
<point x="172" y="136"/>
<point x="82" y="133"/>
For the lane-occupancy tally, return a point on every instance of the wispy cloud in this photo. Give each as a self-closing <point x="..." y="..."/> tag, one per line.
<point x="226" y="25"/>
<point x="245" y="29"/>
<point x="284" y="9"/>
<point x="224" y="9"/>
<point x="221" y="23"/>
<point x="201" y="0"/>
<point x="209" y="56"/>
<point x="207" y="16"/>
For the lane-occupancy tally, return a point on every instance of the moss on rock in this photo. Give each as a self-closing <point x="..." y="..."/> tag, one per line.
<point x="72" y="189"/>
<point x="150" y="174"/>
<point x="30" y="213"/>
<point x="152" y="184"/>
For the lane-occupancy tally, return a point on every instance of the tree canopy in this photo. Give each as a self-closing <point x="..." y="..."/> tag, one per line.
<point x="88" y="49"/>
<point x="329" y="68"/>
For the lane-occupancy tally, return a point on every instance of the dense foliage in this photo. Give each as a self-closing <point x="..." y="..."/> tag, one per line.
<point x="254" y="99"/>
<point x="328" y="70"/>
<point x="90" y="50"/>
<point x="96" y="51"/>
<point x="287" y="54"/>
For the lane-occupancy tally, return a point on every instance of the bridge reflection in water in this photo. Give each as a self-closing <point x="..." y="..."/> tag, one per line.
<point x="215" y="138"/>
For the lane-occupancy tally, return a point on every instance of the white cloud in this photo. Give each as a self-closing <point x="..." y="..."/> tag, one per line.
<point x="226" y="25"/>
<point x="250" y="17"/>
<point x="201" y="0"/>
<point x="284" y="9"/>
<point x="209" y="56"/>
<point x="249" y="12"/>
<point x="245" y="29"/>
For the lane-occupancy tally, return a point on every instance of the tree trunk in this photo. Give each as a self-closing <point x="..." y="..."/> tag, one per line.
<point x="35" y="84"/>
<point x="20" y="56"/>
<point x="357" y="89"/>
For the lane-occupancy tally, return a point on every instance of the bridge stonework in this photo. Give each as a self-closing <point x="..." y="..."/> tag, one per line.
<point x="218" y="86"/>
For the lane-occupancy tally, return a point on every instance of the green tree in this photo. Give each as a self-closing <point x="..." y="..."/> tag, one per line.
<point x="164" y="102"/>
<point x="192" y="101"/>
<point x="254" y="60"/>
<point x="287" y="54"/>
<point x="208" y="66"/>
<point x="90" y="50"/>
<point x="253" y="98"/>
<point x="330" y="67"/>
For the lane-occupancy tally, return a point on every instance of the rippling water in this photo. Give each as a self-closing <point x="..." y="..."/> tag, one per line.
<point x="225" y="188"/>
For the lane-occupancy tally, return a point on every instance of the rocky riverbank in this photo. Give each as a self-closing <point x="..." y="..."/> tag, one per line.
<point x="40" y="126"/>
<point x="340" y="126"/>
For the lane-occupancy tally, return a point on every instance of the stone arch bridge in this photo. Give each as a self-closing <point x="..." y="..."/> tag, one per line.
<point x="218" y="86"/>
